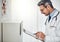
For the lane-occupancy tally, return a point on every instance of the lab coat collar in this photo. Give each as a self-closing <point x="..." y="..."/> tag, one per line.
<point x="55" y="14"/>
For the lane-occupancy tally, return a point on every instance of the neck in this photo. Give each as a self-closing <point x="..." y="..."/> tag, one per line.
<point x="51" y="10"/>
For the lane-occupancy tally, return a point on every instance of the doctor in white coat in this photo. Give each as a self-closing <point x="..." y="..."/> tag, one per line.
<point x="52" y="23"/>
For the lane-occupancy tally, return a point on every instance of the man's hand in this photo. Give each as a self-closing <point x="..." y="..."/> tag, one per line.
<point x="40" y="35"/>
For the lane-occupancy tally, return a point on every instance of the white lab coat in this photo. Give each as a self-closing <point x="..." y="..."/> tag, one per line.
<point x="53" y="28"/>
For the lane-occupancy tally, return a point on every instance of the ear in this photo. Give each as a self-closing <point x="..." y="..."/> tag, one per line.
<point x="48" y="7"/>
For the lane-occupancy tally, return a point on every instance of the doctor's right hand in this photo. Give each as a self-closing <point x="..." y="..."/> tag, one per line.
<point x="40" y="35"/>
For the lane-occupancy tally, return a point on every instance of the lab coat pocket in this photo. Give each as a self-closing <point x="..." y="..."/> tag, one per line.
<point x="52" y="26"/>
<point x="52" y="30"/>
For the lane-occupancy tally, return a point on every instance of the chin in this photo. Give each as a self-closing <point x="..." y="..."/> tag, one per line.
<point x="46" y="15"/>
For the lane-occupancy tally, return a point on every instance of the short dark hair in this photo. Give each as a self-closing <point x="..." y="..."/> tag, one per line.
<point x="43" y="2"/>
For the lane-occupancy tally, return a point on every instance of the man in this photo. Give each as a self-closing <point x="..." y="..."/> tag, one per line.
<point x="52" y="23"/>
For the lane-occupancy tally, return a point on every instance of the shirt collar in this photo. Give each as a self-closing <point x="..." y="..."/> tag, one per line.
<point x="51" y="14"/>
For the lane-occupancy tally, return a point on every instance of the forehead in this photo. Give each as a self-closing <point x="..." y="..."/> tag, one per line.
<point x="42" y="7"/>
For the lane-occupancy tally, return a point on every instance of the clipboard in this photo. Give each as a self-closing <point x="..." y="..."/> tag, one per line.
<point x="31" y="34"/>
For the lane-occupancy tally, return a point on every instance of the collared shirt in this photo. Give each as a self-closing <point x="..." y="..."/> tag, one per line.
<point x="51" y="14"/>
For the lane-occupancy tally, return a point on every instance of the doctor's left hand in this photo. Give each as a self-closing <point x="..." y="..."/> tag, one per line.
<point x="40" y="35"/>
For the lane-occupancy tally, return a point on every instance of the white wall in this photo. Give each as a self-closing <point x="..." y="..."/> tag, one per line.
<point x="56" y="4"/>
<point x="29" y="17"/>
<point x="7" y="16"/>
<point x="16" y="10"/>
<point x="13" y="11"/>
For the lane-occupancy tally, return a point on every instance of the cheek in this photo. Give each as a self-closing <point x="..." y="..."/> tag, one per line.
<point x="45" y="11"/>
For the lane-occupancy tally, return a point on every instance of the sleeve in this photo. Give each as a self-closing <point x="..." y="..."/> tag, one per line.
<point x="52" y="39"/>
<point x="57" y="33"/>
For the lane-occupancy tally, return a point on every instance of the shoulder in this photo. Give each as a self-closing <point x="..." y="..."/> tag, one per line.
<point x="58" y="17"/>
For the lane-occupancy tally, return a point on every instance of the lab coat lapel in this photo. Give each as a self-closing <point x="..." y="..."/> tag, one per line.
<point x="51" y="22"/>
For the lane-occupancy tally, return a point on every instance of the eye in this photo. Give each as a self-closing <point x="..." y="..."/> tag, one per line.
<point x="41" y="9"/>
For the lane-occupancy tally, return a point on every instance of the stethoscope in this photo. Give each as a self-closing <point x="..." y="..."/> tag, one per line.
<point x="53" y="18"/>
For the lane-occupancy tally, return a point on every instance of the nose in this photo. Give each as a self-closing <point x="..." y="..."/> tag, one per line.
<point x="41" y="12"/>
